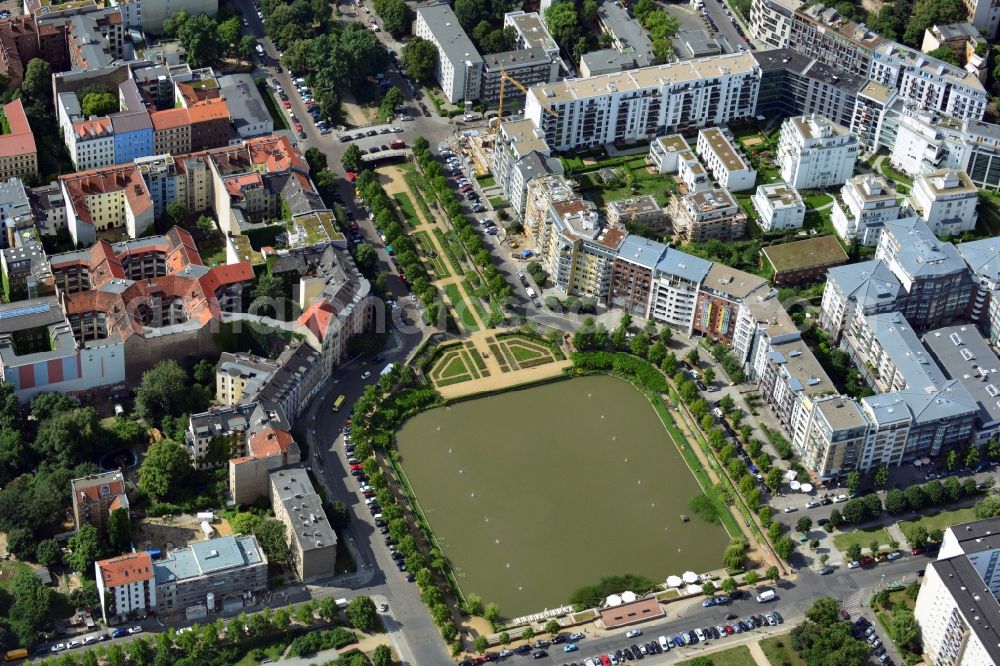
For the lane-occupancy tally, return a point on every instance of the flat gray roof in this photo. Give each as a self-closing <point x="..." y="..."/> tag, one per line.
<point x="641" y="251"/>
<point x="25" y="315"/>
<point x="243" y="100"/>
<point x="684" y="265"/>
<point x="627" y="31"/>
<point x="511" y="60"/>
<point x="964" y="355"/>
<point x="973" y="599"/>
<point x="978" y="536"/>
<point x="448" y="33"/>
<point x="308" y="522"/>
<point x="206" y="557"/>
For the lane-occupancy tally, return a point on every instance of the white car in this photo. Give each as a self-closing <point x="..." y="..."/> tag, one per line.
<point x="840" y="498"/>
<point x="135" y="629"/>
<point x="894" y="555"/>
<point x="632" y="633"/>
<point x="790" y="509"/>
<point x="854" y="564"/>
<point x="366" y="374"/>
<point x="58" y="647"/>
<point x="664" y="643"/>
<point x="812" y="505"/>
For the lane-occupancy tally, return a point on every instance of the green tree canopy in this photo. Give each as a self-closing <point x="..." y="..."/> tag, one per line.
<point x="361" y="613"/>
<point x="162" y="391"/>
<point x="165" y="470"/>
<point x="419" y="59"/>
<point x="85" y="549"/>
<point x="99" y="104"/>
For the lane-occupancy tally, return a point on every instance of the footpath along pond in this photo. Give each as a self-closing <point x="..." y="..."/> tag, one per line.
<point x="534" y="493"/>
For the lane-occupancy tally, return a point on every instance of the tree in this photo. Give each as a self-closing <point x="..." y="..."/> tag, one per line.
<point x="119" y="530"/>
<point x="273" y="538"/>
<point x="854" y="481"/>
<point x="563" y="24"/>
<point x="164" y="470"/>
<point x="773" y="478"/>
<point x="480" y="645"/>
<point x="473" y="603"/>
<point x="140" y="653"/>
<point x="904" y="628"/>
<point x="946" y="54"/>
<point x="993" y="449"/>
<point x="854" y="552"/>
<point x="48" y="553"/>
<point x="804" y="524"/>
<point x="199" y="35"/>
<point x="492" y="614"/>
<point x="361" y="613"/>
<point x="32" y="608"/>
<point x="162" y="391"/>
<point x="175" y="214"/>
<point x="316" y="159"/>
<point x="37" y="83"/>
<point x="382" y="656"/>
<point x="751" y="578"/>
<point x="390" y="101"/>
<point x="784" y="547"/>
<point x="99" y="104"/>
<point x="352" y="158"/>
<point x="927" y="13"/>
<point x="972" y="456"/>
<point x="951" y="460"/>
<point x="881" y="476"/>
<point x="552" y="627"/>
<point x="527" y="634"/>
<point x="21" y="543"/>
<point x="85" y="549"/>
<point x="693" y="357"/>
<point x="708" y="375"/>
<point x="988" y="507"/>
<point x="396" y="16"/>
<point x="708" y="589"/>
<point x="773" y="574"/>
<point x="836" y="518"/>
<point x="915" y="497"/>
<point x="895" y="501"/>
<point x="419" y="59"/>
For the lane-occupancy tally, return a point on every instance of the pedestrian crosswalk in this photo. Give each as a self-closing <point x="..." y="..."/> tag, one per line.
<point x="854" y="601"/>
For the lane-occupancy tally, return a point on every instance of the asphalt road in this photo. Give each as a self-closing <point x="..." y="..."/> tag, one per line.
<point x="724" y="23"/>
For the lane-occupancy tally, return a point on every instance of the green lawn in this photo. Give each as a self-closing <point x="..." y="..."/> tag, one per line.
<point x="423" y="239"/>
<point x="405" y="205"/>
<point x="273" y="652"/>
<point x="892" y="174"/>
<point x="863" y="538"/>
<point x="818" y="199"/>
<point x="10" y="570"/>
<point x="475" y="300"/>
<point x="458" y="304"/>
<point x="486" y="181"/>
<point x="779" y="651"/>
<point x="737" y="656"/>
<point x="940" y="521"/>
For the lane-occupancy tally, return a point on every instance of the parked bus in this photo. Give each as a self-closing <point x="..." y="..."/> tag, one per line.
<point x="16" y="655"/>
<point x="339" y="402"/>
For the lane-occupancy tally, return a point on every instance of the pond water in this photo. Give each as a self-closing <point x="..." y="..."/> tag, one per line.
<point x="535" y="493"/>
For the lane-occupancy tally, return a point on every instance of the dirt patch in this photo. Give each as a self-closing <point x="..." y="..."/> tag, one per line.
<point x="170" y="532"/>
<point x="357" y="114"/>
<point x="752" y="141"/>
<point x="872" y="6"/>
<point x="393" y="181"/>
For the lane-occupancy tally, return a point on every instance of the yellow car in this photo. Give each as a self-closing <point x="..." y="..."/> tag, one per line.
<point x="514" y="245"/>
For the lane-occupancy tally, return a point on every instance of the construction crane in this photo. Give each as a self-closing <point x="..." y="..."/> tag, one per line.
<point x="504" y="77"/>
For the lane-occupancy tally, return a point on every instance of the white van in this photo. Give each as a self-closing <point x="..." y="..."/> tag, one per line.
<point x="664" y="643"/>
<point x="260" y="50"/>
<point x="530" y="292"/>
<point x="765" y="596"/>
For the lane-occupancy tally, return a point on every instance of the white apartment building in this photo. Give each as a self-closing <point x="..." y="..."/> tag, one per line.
<point x="946" y="201"/>
<point x="865" y="204"/>
<point x="724" y="161"/>
<point x="518" y="156"/>
<point x="815" y="153"/>
<point x="835" y="436"/>
<point x="780" y="207"/>
<point x="664" y="152"/>
<point x="985" y="15"/>
<point x="640" y="104"/>
<point x="926" y="141"/>
<point x="126" y="586"/>
<point x="957" y="607"/>
<point x="459" y="67"/>
<point x="861" y="289"/>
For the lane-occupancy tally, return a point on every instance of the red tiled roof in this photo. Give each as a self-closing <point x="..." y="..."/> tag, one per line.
<point x="170" y="118"/>
<point x="208" y="110"/>
<point x="20" y="141"/>
<point x="125" y="177"/>
<point x="317" y="318"/>
<point x="270" y="442"/>
<point x="94" y="492"/>
<point x="125" y="569"/>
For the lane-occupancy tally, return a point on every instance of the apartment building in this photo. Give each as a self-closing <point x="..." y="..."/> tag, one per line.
<point x="792" y="84"/>
<point x="889" y="354"/>
<point x="724" y="161"/>
<point x="926" y="141"/>
<point x="714" y="214"/>
<point x="25" y="266"/>
<point x="644" y="103"/>
<point x="946" y="201"/>
<point x="519" y="155"/>
<point x="722" y="293"/>
<point x="665" y="151"/>
<point x="268" y="448"/>
<point x="210" y="573"/>
<point x="18" y="153"/>
<point x="939" y="289"/>
<point x="835" y="436"/>
<point x="965" y="356"/>
<point x="985" y="15"/>
<point x="779" y="206"/>
<point x="529" y="67"/>
<point x="312" y="542"/>
<point x="815" y="153"/>
<point x="126" y="586"/>
<point x="637" y="212"/>
<point x="627" y="36"/>
<point x="575" y="248"/>
<point x="657" y="282"/>
<point x="23" y="39"/>
<point x="964" y="40"/>
<point x="96" y="496"/>
<point x="459" y="67"/>
<point x="983" y="259"/>
<point x="531" y="32"/>
<point x="106" y="199"/>
<point x="865" y="203"/>
<point x="857" y="290"/>
<point x="820" y="32"/>
<point x="957" y="609"/>
<point x="239" y="375"/>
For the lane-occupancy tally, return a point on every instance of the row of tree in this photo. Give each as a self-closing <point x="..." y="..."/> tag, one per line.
<point x="208" y="40"/>
<point x="495" y="286"/>
<point x="569" y="23"/>
<point x="483" y="21"/>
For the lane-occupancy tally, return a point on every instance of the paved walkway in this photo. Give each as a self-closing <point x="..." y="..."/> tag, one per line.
<point x="499" y="379"/>
<point x="758" y="654"/>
